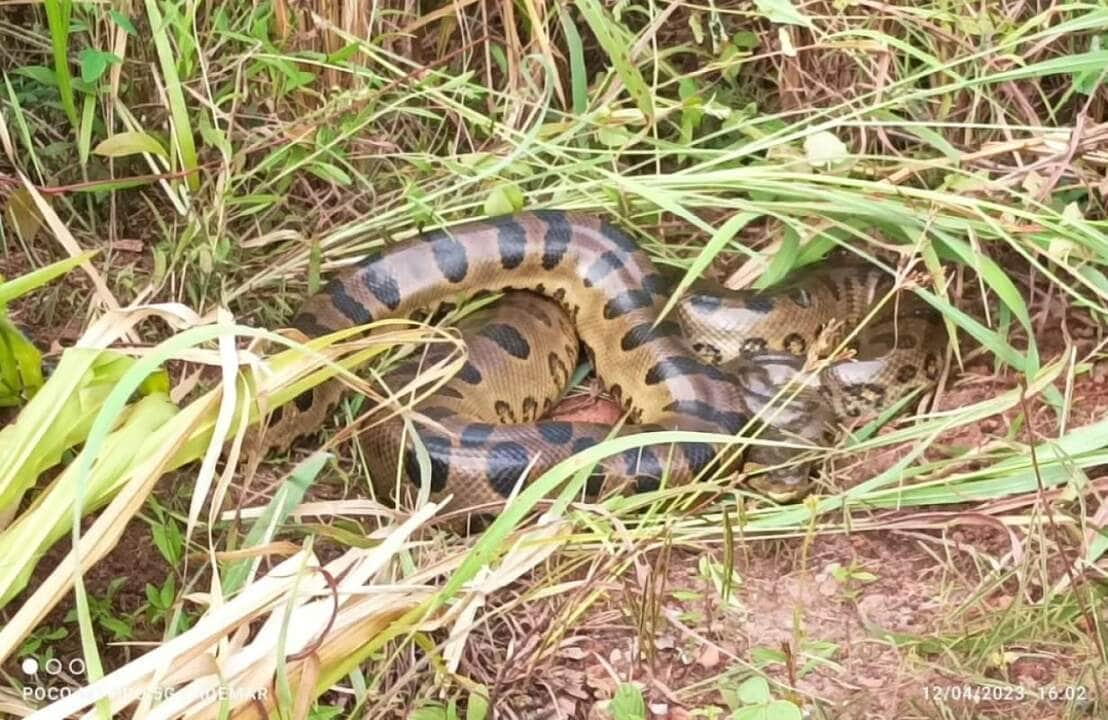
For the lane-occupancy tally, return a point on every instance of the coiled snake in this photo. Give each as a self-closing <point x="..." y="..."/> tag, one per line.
<point x="712" y="366"/>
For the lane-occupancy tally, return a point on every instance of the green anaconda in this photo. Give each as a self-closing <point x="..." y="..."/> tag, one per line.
<point x="578" y="278"/>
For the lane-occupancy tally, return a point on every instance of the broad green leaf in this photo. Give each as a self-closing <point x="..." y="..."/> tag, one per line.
<point x="628" y="703"/>
<point x="783" y="710"/>
<point x="745" y="40"/>
<point x="824" y="151"/>
<point x="344" y="53"/>
<point x="504" y="199"/>
<point x="478" y="706"/>
<point x="612" y="136"/>
<point x="38" y="73"/>
<point x="58" y="417"/>
<point x="429" y="712"/>
<point x="131" y="142"/>
<point x="123" y="21"/>
<point x="50" y="517"/>
<point x="1086" y="82"/>
<point x="776" y="710"/>
<point x="783" y="12"/>
<point x="20" y="365"/>
<point x="94" y="62"/>
<point x="329" y="172"/>
<point x="754" y="691"/>
<point x="762" y="656"/>
<point x="783" y="260"/>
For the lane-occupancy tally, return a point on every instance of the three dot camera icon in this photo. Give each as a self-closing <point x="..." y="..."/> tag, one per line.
<point x="52" y="666"/>
<point x="51" y="679"/>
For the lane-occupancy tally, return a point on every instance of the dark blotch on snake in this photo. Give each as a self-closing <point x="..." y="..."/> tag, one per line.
<point x="556" y="240"/>
<point x="606" y="264"/>
<point x="595" y="484"/>
<point x="679" y="366"/>
<point x="382" y="285"/>
<point x="583" y="443"/>
<point x="507" y="339"/>
<point x="555" y="432"/>
<point x="438" y="452"/>
<point x="450" y="256"/>
<point x="656" y="283"/>
<point x="437" y="412"/>
<point x="476" y="434"/>
<point x="626" y="302"/>
<point x="727" y="420"/>
<point x="511" y="240"/>
<point x="759" y="303"/>
<point x="309" y="324"/>
<point x="642" y="464"/>
<point x="832" y="286"/>
<point x="795" y="343"/>
<point x="536" y="312"/>
<point x="469" y="373"/>
<point x="705" y="303"/>
<point x="354" y="311"/>
<point x="507" y="463"/>
<point x="698" y="456"/>
<point x="646" y="332"/>
<point x="617" y="237"/>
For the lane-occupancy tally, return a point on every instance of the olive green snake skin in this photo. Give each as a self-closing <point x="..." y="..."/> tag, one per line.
<point x="712" y="364"/>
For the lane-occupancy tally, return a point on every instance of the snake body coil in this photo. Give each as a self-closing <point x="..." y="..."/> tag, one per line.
<point x="722" y="357"/>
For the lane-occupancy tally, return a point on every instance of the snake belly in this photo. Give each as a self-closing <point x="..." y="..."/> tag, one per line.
<point x="722" y="357"/>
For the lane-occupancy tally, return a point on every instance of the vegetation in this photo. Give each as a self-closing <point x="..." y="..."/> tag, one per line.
<point x="203" y="165"/>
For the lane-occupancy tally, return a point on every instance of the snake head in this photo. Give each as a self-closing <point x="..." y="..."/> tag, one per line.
<point x="774" y="471"/>
<point x="797" y="418"/>
<point x="783" y="485"/>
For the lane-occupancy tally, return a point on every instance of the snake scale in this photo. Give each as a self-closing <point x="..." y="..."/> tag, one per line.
<point x="575" y="278"/>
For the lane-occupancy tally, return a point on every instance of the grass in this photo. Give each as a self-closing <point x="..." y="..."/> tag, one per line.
<point x="222" y="158"/>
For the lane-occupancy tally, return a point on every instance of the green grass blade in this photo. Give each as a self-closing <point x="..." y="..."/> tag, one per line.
<point x="578" y="74"/>
<point x="612" y="38"/>
<point x="715" y="244"/>
<point x="17" y="287"/>
<point x="57" y="17"/>
<point x="284" y="501"/>
<point x="178" y="109"/>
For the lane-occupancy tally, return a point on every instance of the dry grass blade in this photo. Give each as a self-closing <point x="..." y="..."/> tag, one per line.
<point x="317" y="616"/>
<point x="67" y="241"/>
